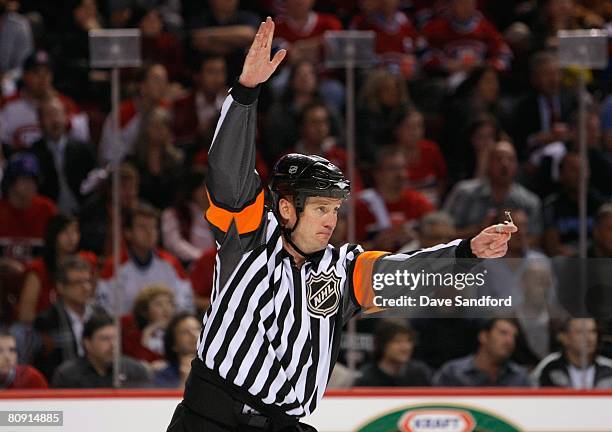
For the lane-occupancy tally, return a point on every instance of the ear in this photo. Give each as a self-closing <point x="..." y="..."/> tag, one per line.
<point x="286" y="209"/>
<point x="87" y="345"/>
<point x="482" y="337"/>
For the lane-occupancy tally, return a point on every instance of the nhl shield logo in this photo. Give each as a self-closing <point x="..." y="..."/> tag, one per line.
<point x="323" y="293"/>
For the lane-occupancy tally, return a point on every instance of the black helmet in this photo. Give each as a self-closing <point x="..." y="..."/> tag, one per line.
<point x="302" y="176"/>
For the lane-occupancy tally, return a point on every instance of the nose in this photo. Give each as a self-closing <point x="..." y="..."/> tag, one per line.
<point x="330" y="221"/>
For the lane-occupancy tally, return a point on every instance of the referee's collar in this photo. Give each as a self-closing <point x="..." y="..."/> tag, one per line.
<point x="313" y="258"/>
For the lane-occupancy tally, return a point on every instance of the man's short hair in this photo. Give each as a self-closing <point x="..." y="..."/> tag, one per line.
<point x="71" y="263"/>
<point x="385" y="332"/>
<point x="5" y="333"/>
<point x="488" y="324"/>
<point x="541" y="58"/>
<point x="141" y="210"/>
<point x="95" y="323"/>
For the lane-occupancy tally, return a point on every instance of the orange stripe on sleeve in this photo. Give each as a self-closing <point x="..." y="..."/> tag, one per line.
<point x="247" y="219"/>
<point x="362" y="278"/>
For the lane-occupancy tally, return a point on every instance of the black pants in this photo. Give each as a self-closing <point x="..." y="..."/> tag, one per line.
<point x="186" y="420"/>
<point x="208" y="406"/>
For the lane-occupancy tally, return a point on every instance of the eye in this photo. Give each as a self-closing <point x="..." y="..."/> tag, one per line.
<point x="321" y="209"/>
<point x="336" y="210"/>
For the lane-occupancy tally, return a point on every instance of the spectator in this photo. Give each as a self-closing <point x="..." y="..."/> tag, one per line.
<point x="61" y="326"/>
<point x="143" y="264"/>
<point x="19" y="115"/>
<point x="180" y="342"/>
<point x="158" y="45"/>
<point x="470" y="159"/>
<point x="426" y="168"/>
<point x="599" y="296"/>
<point x="541" y="116"/>
<point x="385" y="215"/>
<point x="463" y="38"/>
<point x="474" y="99"/>
<point x="68" y="34"/>
<point x="300" y="30"/>
<point x="561" y="210"/>
<point x="195" y="114"/>
<point x="12" y="375"/>
<point x="314" y="125"/>
<point x="152" y="82"/>
<point x="96" y="217"/>
<point x="156" y="158"/>
<point x="381" y="99"/>
<point x="143" y="330"/>
<point x="39" y="290"/>
<point x="491" y="364"/>
<point x="64" y="162"/>
<point x="185" y="232"/>
<point x="95" y="368"/>
<point x="436" y="228"/>
<point x="24" y="214"/>
<point x="226" y="30"/>
<point x="393" y="364"/>
<point x="577" y="365"/>
<point x="478" y="202"/>
<point x="537" y="313"/>
<point x="397" y="40"/>
<point x="303" y="87"/>
<point x="17" y="44"/>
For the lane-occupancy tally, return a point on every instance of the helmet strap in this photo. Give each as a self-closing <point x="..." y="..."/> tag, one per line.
<point x="299" y="201"/>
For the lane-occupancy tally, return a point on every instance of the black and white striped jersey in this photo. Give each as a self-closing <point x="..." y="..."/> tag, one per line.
<point x="272" y="330"/>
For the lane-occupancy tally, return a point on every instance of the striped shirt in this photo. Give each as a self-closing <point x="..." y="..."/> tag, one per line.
<point x="273" y="329"/>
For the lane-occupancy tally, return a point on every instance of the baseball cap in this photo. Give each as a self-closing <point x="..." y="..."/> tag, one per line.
<point x="23" y="165"/>
<point x="37" y="58"/>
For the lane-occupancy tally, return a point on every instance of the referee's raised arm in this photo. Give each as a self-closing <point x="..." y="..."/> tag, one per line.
<point x="234" y="188"/>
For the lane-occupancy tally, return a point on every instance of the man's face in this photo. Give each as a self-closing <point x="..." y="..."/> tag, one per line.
<point x="602" y="235"/>
<point x="502" y="163"/>
<point x="499" y="342"/>
<point x="128" y="195"/>
<point x="316" y="125"/>
<point x="391" y="172"/>
<point x="143" y="235"/>
<point x="317" y="222"/>
<point x="78" y="289"/>
<point x="186" y="336"/>
<point x="299" y="7"/>
<point x="38" y="81"/>
<point x="399" y="349"/>
<point x="436" y="233"/>
<point x="8" y="355"/>
<point x="212" y="76"/>
<point x="53" y="119"/>
<point x="411" y="129"/>
<point x="155" y="85"/>
<point x="547" y="79"/>
<point x="581" y="334"/>
<point x="101" y="345"/>
<point x="462" y="10"/>
<point x="24" y="188"/>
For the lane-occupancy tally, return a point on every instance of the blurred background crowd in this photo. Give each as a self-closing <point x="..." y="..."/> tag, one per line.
<point x="467" y="114"/>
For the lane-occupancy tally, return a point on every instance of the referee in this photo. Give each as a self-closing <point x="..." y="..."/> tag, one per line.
<point x="281" y="293"/>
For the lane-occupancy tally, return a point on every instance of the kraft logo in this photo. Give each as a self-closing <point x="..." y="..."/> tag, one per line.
<point x="437" y="420"/>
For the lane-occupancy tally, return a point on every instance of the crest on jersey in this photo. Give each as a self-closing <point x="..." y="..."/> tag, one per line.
<point x="323" y="293"/>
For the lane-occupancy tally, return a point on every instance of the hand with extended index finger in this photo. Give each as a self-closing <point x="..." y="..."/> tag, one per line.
<point x="492" y="242"/>
<point x="257" y="66"/>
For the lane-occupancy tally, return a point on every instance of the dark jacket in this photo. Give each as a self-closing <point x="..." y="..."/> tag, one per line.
<point x="553" y="372"/>
<point x="58" y="342"/>
<point x="79" y="160"/>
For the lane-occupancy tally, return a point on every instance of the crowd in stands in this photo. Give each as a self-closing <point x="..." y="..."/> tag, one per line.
<point x="466" y="114"/>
